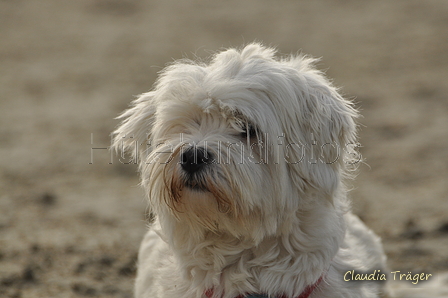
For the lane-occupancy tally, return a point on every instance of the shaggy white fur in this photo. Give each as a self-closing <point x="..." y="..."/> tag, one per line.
<point x="243" y="160"/>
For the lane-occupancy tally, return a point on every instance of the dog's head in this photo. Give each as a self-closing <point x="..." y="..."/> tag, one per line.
<point x="238" y="145"/>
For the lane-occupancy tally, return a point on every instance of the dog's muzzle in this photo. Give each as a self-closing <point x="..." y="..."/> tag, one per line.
<point x="194" y="162"/>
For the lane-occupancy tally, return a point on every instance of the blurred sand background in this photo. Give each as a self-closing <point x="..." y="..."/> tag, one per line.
<point x="68" y="68"/>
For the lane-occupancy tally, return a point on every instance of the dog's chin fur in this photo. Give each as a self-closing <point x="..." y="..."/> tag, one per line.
<point x="268" y="213"/>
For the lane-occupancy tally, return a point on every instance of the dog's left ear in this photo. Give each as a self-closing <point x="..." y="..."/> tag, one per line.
<point x="326" y="126"/>
<point x="335" y="120"/>
<point x="133" y="133"/>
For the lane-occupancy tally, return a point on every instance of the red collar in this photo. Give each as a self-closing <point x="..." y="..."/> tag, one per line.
<point x="309" y="289"/>
<point x="305" y="294"/>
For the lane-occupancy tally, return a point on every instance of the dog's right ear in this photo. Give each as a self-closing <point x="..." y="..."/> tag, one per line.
<point x="133" y="133"/>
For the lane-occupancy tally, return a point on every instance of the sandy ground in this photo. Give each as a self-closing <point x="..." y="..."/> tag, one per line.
<point x="67" y="68"/>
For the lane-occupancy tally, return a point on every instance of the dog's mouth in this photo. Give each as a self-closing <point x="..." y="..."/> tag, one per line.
<point x="203" y="184"/>
<point x="195" y="182"/>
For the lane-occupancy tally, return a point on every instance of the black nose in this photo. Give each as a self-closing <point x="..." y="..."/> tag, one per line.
<point x="194" y="159"/>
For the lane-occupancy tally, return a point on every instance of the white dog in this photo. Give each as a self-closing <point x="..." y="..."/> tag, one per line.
<point x="243" y="160"/>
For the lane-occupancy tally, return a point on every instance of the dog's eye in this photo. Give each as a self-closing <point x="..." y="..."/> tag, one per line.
<point x="249" y="130"/>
